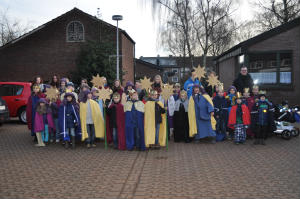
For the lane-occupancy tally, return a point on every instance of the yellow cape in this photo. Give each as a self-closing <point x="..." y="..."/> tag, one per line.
<point x="192" y="116"/>
<point x="97" y="119"/>
<point x="150" y="125"/>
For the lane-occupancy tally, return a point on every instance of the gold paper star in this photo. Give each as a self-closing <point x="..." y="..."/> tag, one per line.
<point x="51" y="93"/>
<point x="167" y="91"/>
<point x="146" y="83"/>
<point x="104" y="94"/>
<point x="213" y="80"/>
<point x="97" y="81"/>
<point x="200" y="72"/>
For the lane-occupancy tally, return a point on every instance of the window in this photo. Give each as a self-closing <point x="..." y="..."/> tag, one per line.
<point x="175" y="79"/>
<point x="175" y="70"/>
<point x="271" y="68"/>
<point x="10" y="90"/>
<point x="75" y="32"/>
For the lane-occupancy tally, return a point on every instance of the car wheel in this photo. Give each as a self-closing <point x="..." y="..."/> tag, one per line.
<point x="22" y="115"/>
<point x="286" y="134"/>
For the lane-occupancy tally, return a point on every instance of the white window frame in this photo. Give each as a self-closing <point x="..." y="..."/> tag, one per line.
<point x="67" y="32"/>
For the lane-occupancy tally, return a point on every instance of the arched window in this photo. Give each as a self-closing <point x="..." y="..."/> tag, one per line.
<point x="75" y="32"/>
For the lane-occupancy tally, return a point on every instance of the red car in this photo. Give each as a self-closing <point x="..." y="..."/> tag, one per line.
<point x="16" y="95"/>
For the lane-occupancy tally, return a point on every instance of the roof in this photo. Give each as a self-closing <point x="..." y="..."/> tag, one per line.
<point x="263" y="36"/>
<point x="61" y="16"/>
<point x="148" y="64"/>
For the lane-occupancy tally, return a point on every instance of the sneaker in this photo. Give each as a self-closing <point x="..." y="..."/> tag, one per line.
<point x="88" y="146"/>
<point x="51" y="141"/>
<point x="57" y="141"/>
<point x="237" y="143"/>
<point x="94" y="145"/>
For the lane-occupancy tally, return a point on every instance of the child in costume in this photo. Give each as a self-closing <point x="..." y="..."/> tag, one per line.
<point x="31" y="107"/>
<point x="54" y="106"/>
<point x="43" y="122"/>
<point x="91" y="119"/>
<point x="83" y="87"/>
<point x="180" y="118"/>
<point x="249" y="101"/>
<point x="68" y="120"/>
<point x="171" y="107"/>
<point x="117" y="88"/>
<point x="262" y="120"/>
<point x="134" y="122"/>
<point x="201" y="120"/>
<point x="231" y="100"/>
<point x="155" y="122"/>
<point x="70" y="89"/>
<point x="239" y="120"/>
<point x="63" y="84"/>
<point x="221" y="114"/>
<point x="116" y="120"/>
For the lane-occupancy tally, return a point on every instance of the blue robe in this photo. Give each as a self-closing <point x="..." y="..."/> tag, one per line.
<point x="203" y="118"/>
<point x="189" y="84"/>
<point x="62" y="122"/>
<point x="134" y="119"/>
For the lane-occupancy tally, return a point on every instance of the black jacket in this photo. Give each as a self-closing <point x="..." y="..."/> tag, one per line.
<point x="243" y="81"/>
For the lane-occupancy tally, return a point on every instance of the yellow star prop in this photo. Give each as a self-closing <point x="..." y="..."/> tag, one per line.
<point x="104" y="94"/>
<point x="97" y="81"/>
<point x="167" y="91"/>
<point x="51" y="93"/>
<point x="200" y="72"/>
<point x="213" y="80"/>
<point x="146" y="83"/>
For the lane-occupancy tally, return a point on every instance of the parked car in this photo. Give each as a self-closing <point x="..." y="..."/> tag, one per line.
<point x="16" y="96"/>
<point x="4" y="112"/>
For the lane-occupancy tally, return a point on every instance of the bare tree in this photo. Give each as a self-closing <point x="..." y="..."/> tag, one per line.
<point x="10" y="29"/>
<point x="272" y="13"/>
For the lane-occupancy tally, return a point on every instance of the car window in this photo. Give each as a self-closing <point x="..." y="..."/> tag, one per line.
<point x="10" y="90"/>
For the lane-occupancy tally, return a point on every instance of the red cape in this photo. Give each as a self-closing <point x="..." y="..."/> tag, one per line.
<point x="232" y="116"/>
<point x="120" y="114"/>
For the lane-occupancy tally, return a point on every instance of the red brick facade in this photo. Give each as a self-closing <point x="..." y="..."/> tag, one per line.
<point x="45" y="50"/>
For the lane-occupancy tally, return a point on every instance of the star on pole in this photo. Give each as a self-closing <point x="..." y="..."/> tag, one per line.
<point x="146" y="83"/>
<point x="104" y="94"/>
<point x="200" y="72"/>
<point x="51" y="93"/>
<point x="97" y="81"/>
<point x="167" y="91"/>
<point x="213" y="80"/>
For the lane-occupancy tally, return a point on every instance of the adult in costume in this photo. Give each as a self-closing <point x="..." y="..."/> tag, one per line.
<point x="201" y="120"/>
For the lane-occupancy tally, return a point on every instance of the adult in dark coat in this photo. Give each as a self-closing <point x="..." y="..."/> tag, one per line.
<point x="244" y="80"/>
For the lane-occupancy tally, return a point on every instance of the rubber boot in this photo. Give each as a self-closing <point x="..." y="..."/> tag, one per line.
<point x="73" y="142"/>
<point x="39" y="139"/>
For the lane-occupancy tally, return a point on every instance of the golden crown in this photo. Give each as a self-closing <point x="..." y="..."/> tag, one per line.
<point x="246" y="90"/>
<point x="238" y="95"/>
<point x="262" y="92"/>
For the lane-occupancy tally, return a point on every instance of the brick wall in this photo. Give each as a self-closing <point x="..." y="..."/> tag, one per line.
<point x="289" y="40"/>
<point x="46" y="52"/>
<point x="142" y="70"/>
<point x="127" y="59"/>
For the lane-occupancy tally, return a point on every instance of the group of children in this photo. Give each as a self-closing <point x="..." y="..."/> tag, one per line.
<point x="138" y="119"/>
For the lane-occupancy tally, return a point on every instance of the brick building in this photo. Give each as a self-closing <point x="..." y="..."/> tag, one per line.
<point x="175" y="69"/>
<point x="273" y="61"/>
<point x="143" y="68"/>
<point x="53" y="47"/>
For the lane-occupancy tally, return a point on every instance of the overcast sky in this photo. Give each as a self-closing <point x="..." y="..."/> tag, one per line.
<point x="137" y="17"/>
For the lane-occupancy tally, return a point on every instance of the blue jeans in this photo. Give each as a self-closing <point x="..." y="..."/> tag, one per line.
<point x="157" y="133"/>
<point x="45" y="134"/>
<point x="71" y="131"/>
<point x="91" y="133"/>
<point x="115" y="137"/>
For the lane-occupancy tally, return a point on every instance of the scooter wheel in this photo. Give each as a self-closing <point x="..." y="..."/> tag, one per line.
<point x="295" y="132"/>
<point x="286" y="134"/>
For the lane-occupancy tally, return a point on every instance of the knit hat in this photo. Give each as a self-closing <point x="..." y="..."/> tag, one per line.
<point x="231" y="87"/>
<point x="94" y="89"/>
<point x="42" y="100"/>
<point x="70" y="84"/>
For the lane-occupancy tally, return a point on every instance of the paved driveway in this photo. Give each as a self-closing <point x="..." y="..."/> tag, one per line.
<point x="202" y="170"/>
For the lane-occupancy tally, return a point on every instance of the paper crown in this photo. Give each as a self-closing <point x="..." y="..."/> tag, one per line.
<point x="238" y="95"/>
<point x="131" y="92"/>
<point x="262" y="92"/>
<point x="69" y="91"/>
<point x="246" y="90"/>
<point x="153" y="92"/>
<point x="220" y="86"/>
<point x="116" y="95"/>
<point x="177" y="85"/>
<point x="35" y="86"/>
<point x="256" y="86"/>
<point x="183" y="92"/>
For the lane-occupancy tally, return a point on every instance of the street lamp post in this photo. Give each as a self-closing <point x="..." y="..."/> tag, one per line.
<point x="117" y="18"/>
